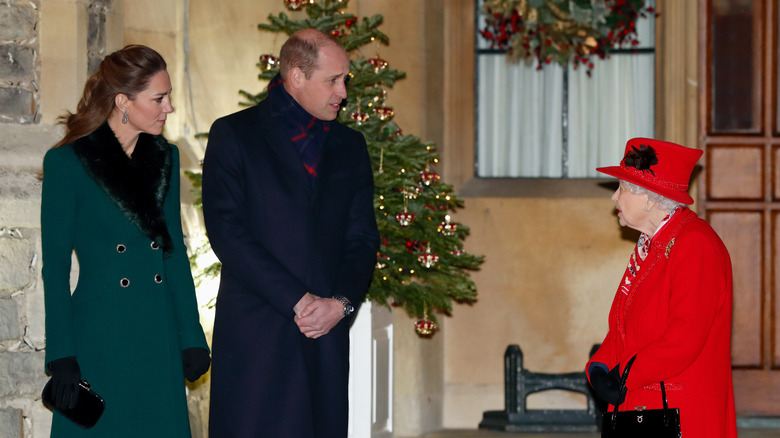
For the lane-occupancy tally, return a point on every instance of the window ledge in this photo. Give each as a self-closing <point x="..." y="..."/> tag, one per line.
<point x="538" y="188"/>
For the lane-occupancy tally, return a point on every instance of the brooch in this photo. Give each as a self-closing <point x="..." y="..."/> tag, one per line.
<point x="669" y="248"/>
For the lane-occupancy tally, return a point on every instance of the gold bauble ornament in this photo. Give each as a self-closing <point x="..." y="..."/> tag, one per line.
<point x="425" y="326"/>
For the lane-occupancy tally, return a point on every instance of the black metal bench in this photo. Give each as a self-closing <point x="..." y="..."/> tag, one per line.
<point x="519" y="383"/>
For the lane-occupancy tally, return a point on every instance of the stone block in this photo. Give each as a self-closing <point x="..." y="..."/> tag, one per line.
<point x="9" y="320"/>
<point x="16" y="62"/>
<point x="16" y="104"/>
<point x="25" y="145"/>
<point x="35" y="313"/>
<point x="18" y="22"/>
<point x="16" y="255"/>
<point x="22" y="213"/>
<point x="41" y="420"/>
<point x="19" y="183"/>
<point x="22" y="373"/>
<point x="11" y="423"/>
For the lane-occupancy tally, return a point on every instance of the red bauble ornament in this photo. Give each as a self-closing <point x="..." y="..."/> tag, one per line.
<point x="413" y="192"/>
<point x="381" y="260"/>
<point x="429" y="177"/>
<point x="268" y="61"/>
<point x="378" y="64"/>
<point x="448" y="228"/>
<point x="359" y="117"/>
<point x="405" y="218"/>
<point x="383" y="112"/>
<point x="428" y="259"/>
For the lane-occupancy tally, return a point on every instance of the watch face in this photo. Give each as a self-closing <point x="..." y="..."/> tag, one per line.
<point x="348" y="308"/>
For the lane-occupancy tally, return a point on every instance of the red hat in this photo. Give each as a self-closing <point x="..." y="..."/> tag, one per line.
<point x="659" y="166"/>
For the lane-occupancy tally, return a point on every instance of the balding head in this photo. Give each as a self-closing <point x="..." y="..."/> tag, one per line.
<point x="302" y="50"/>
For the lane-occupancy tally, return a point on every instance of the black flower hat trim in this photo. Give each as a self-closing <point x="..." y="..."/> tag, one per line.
<point x="641" y="159"/>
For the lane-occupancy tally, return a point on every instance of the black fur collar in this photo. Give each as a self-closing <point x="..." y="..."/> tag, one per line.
<point x="138" y="185"/>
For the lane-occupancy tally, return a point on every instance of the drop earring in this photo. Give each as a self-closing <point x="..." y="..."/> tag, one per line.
<point x="124" y="117"/>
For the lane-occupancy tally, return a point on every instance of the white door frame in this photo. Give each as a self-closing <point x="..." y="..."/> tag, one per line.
<point x="371" y="373"/>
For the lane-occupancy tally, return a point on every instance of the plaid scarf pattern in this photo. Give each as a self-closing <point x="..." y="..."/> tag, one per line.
<point x="306" y="132"/>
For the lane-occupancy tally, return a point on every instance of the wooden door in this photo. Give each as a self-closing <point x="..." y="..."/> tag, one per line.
<point x="739" y="188"/>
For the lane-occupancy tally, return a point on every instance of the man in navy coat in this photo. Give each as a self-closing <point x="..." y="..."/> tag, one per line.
<point x="288" y="204"/>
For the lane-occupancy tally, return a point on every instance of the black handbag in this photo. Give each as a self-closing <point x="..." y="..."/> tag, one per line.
<point x="641" y="423"/>
<point x="88" y="409"/>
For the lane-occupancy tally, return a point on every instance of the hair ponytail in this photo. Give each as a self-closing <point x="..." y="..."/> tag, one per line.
<point x="127" y="71"/>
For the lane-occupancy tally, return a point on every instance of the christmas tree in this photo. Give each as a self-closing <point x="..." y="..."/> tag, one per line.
<point x="421" y="264"/>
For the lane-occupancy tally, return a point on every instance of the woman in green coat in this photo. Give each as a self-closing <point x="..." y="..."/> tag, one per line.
<point x="111" y="194"/>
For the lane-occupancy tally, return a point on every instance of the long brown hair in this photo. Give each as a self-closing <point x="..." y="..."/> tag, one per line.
<point x="127" y="71"/>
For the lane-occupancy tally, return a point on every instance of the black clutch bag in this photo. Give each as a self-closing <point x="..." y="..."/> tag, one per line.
<point x="645" y="423"/>
<point x="88" y="409"/>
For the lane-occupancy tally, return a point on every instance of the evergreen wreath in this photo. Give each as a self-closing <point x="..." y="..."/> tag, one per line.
<point x="561" y="30"/>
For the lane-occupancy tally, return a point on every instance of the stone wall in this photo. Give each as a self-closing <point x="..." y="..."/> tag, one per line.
<point x="18" y="61"/>
<point x="21" y="292"/>
<point x="24" y="139"/>
<point x="22" y="337"/>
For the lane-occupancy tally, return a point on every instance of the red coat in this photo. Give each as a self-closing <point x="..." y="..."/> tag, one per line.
<point x="676" y="317"/>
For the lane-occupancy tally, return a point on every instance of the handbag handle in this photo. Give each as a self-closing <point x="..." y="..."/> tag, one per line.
<point x="623" y="380"/>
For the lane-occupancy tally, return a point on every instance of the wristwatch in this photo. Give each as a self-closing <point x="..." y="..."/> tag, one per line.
<point x="348" y="309"/>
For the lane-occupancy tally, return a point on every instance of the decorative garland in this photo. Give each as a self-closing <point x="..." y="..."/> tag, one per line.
<point x="561" y="30"/>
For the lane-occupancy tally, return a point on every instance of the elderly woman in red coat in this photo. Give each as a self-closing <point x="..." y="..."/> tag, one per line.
<point x="672" y="309"/>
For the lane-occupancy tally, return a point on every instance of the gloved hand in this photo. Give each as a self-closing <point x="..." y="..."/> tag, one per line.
<point x="65" y="377"/>
<point x="605" y="384"/>
<point x="196" y="362"/>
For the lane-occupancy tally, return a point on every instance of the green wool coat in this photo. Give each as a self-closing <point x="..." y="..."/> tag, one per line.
<point x="133" y="309"/>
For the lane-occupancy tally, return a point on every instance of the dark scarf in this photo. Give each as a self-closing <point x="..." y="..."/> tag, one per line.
<point x="306" y="132"/>
<point x="138" y="185"/>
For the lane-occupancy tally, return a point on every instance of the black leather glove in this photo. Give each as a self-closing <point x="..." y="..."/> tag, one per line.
<point x="606" y="385"/>
<point x="65" y="377"/>
<point x="196" y="362"/>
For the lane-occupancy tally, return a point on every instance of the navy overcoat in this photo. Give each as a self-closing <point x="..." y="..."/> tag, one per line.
<point x="279" y="236"/>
